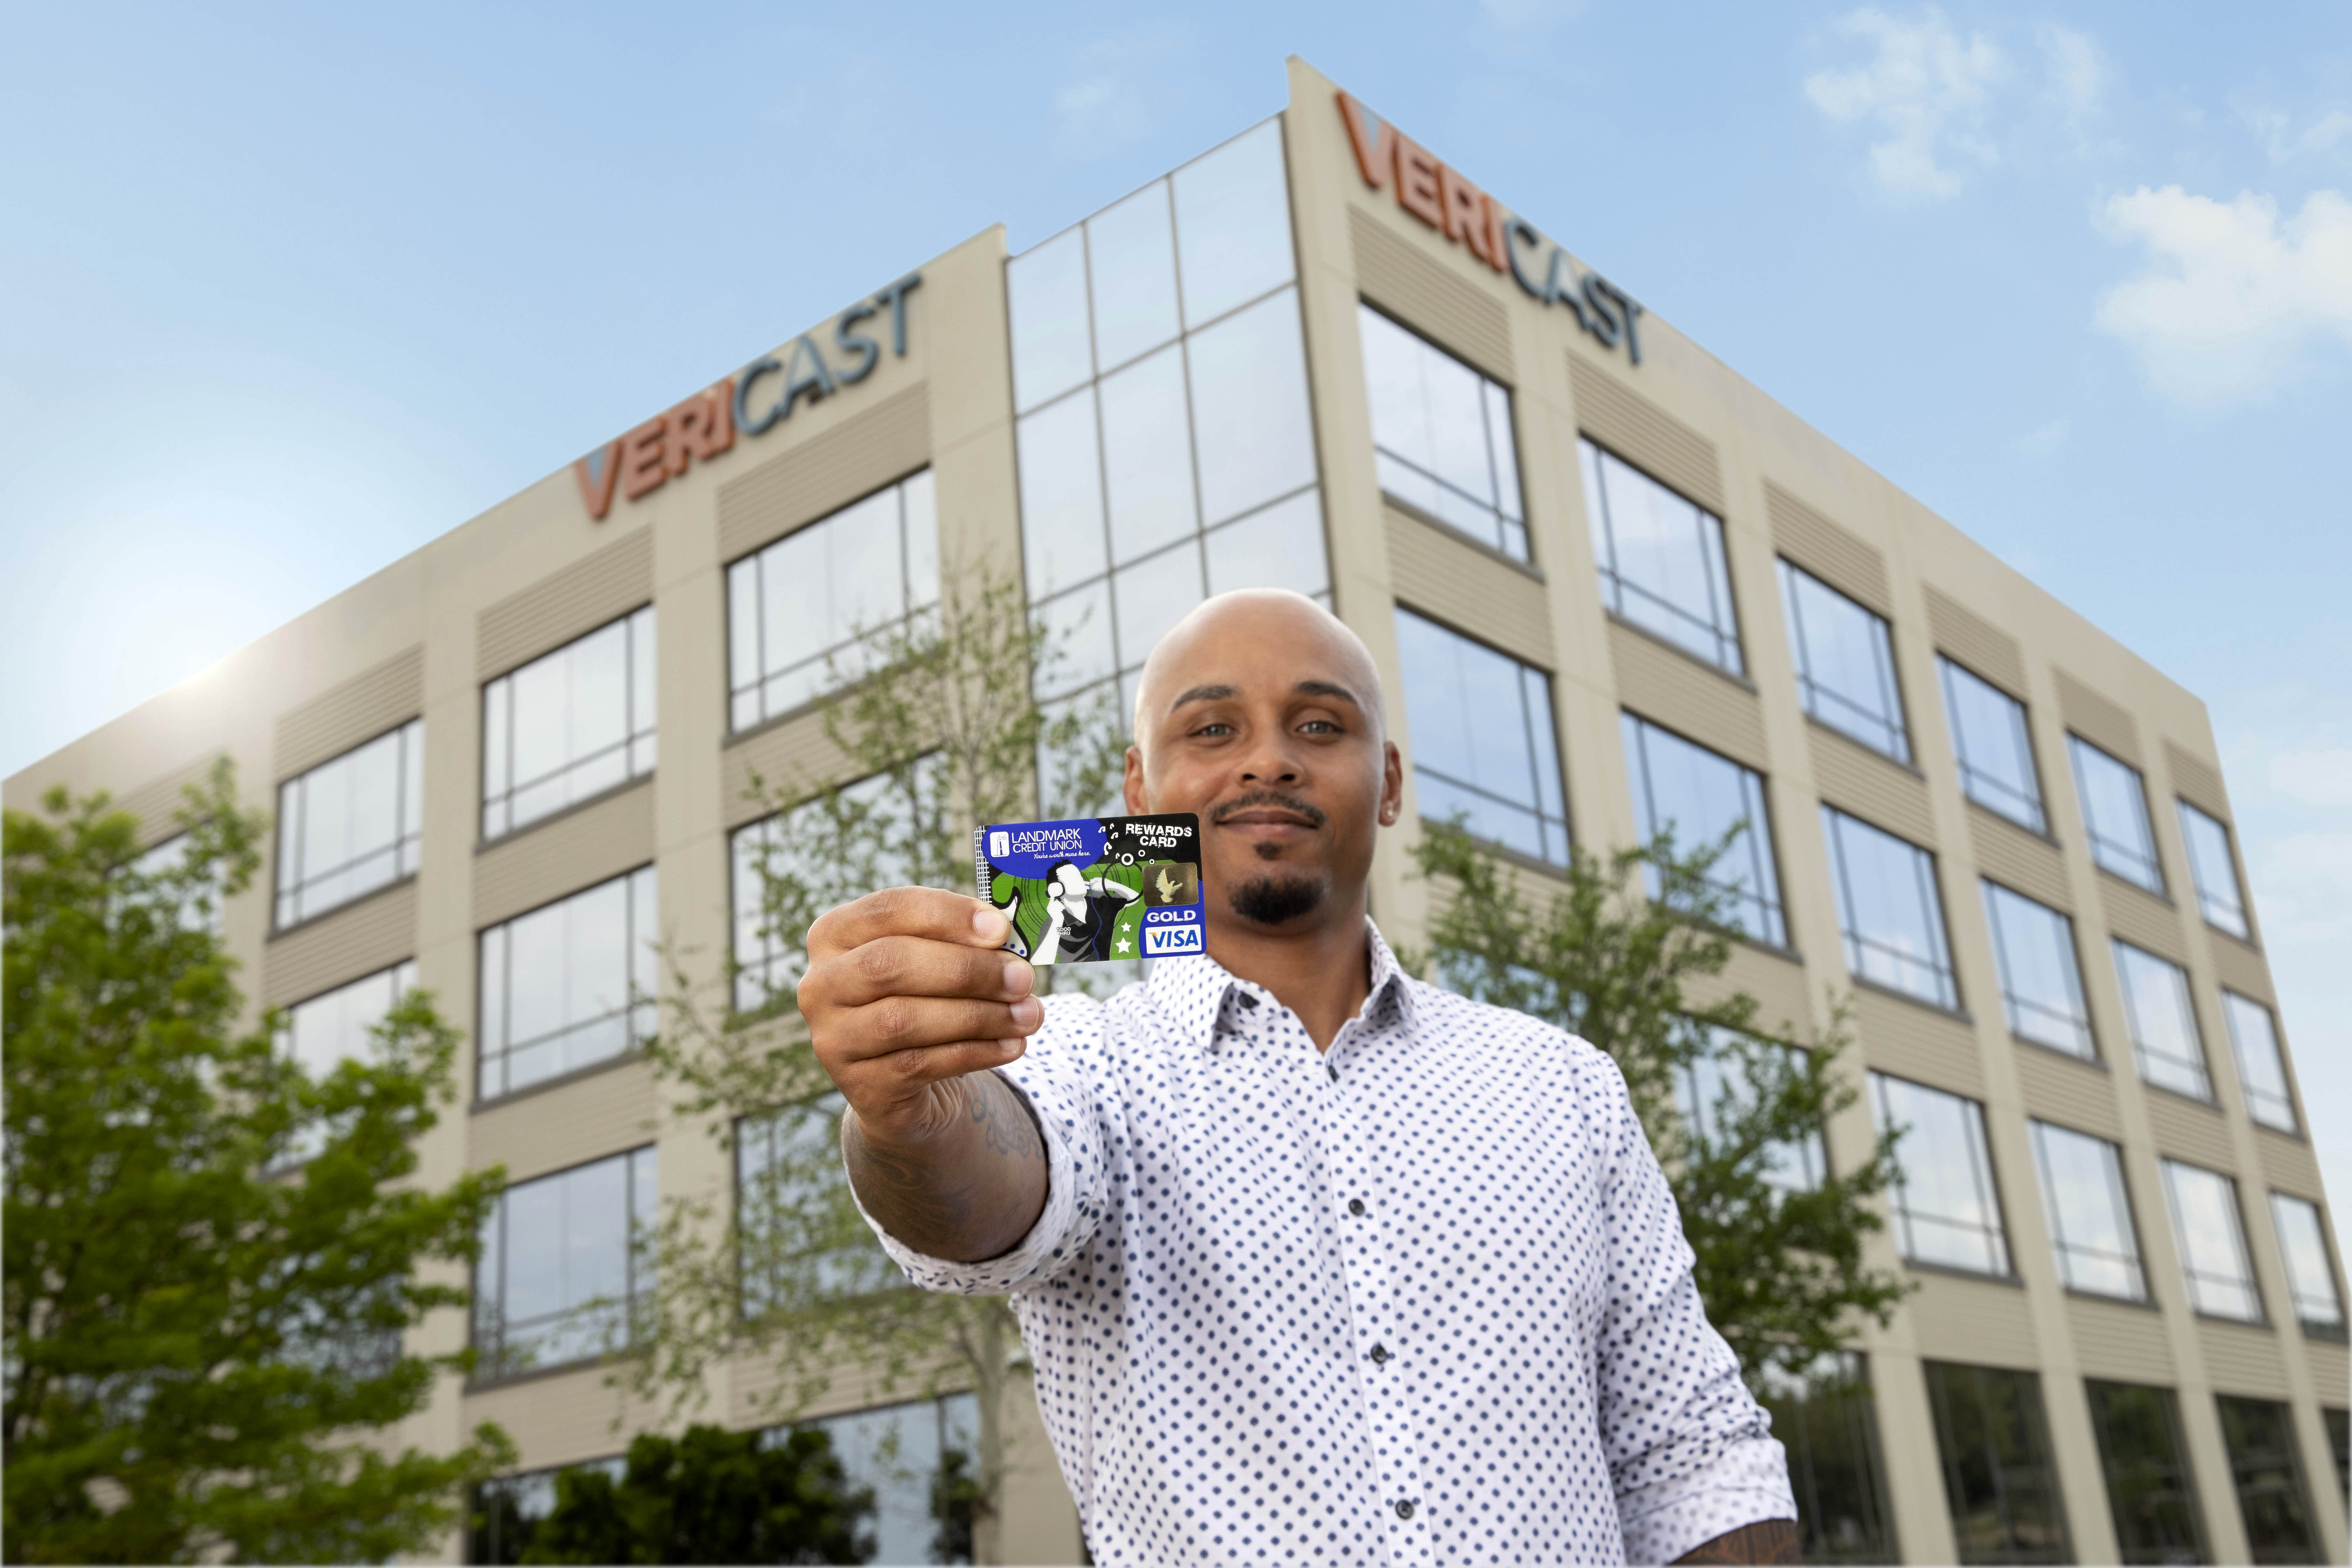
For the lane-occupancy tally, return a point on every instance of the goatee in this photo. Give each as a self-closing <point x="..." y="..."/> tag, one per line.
<point x="1274" y="900"/>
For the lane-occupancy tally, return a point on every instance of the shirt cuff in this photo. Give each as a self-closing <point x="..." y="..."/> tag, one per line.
<point x="1039" y="1252"/>
<point x="1747" y="1484"/>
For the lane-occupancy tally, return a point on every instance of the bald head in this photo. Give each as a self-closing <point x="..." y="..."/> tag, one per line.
<point x="1253" y="633"/>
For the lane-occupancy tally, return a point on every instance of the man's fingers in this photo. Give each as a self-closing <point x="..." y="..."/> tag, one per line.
<point x="929" y="912"/>
<point x="890" y="1079"/>
<point x="912" y="1023"/>
<point x="919" y="967"/>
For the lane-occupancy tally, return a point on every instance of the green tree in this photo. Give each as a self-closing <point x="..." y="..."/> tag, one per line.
<point x="937" y="729"/>
<point x="710" y="1496"/>
<point x="1611" y="957"/>
<point x="202" y="1341"/>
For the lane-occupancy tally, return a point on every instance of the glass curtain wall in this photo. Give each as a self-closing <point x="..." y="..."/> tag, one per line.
<point x="1482" y="744"/>
<point x="2151" y="1494"/>
<point x="1999" y="1476"/>
<point x="2267" y="1469"/>
<point x="1826" y="1422"/>
<point x="1165" y="441"/>
<point x="1441" y="435"/>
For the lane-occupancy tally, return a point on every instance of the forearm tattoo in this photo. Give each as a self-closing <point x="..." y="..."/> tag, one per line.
<point x="953" y="1197"/>
<point x="1766" y="1540"/>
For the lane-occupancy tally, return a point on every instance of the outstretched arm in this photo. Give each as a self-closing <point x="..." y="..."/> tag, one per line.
<point x="1766" y="1540"/>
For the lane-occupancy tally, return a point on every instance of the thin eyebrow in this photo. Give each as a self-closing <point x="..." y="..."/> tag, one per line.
<point x="1328" y="688"/>
<point x="1204" y="694"/>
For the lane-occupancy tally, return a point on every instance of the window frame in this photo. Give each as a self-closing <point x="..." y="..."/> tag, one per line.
<point x="2296" y="1488"/>
<point x="1889" y="670"/>
<point x="1725" y="633"/>
<point x="2102" y="843"/>
<point x="2189" y="813"/>
<point x="2185" y="988"/>
<point x="1761" y="840"/>
<point x="1505" y="472"/>
<point x="2247" y="1091"/>
<point x="632" y="738"/>
<point x="2191" y="1273"/>
<point x="492" y="1353"/>
<point x="1949" y="999"/>
<point x="1984" y="1170"/>
<point x="2183" y="1481"/>
<point x="2039" y="804"/>
<point x="2119" y="1194"/>
<point x="406" y="849"/>
<point x="2011" y="1008"/>
<point x="1537" y="750"/>
<point x="2331" y="1268"/>
<point x="2041" y="1455"/>
<point x="638" y="1015"/>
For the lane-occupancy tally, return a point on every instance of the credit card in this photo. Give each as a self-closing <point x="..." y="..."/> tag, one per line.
<point x="1089" y="888"/>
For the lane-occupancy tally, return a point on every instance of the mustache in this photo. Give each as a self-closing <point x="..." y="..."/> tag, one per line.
<point x="1282" y="798"/>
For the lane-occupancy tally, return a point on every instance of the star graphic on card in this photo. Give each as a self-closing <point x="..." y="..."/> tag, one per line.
<point x="1124" y="944"/>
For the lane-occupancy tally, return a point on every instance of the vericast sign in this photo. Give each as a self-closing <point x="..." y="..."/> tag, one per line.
<point x="1440" y="197"/>
<point x="705" y="424"/>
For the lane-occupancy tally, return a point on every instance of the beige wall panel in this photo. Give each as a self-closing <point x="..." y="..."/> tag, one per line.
<point x="2022" y="861"/>
<point x="1674" y="690"/>
<point x="564" y="853"/>
<point x="1453" y="581"/>
<point x="2142" y="919"/>
<point x="2288" y="1163"/>
<point x="1041" y="1521"/>
<point x="2187" y="1131"/>
<point x="2198" y="781"/>
<point x="1972" y="1321"/>
<point x="604" y="1111"/>
<point x="2241" y="968"/>
<point x="1915" y="1042"/>
<point x="2128" y="1345"/>
<point x="1827" y="550"/>
<point x="1861" y="783"/>
<point x="2075" y="1094"/>
<point x="791" y="756"/>
<point x="1430" y="297"/>
<point x="1977" y="643"/>
<point x="563" y="1418"/>
<point x="759" y="1395"/>
<point x="1782" y="997"/>
<point x="2243" y="1360"/>
<point x="358" y="709"/>
<point x="2331" y="1372"/>
<point x="577" y="600"/>
<point x="825" y="472"/>
<point x="1645" y="435"/>
<point x="154" y="802"/>
<point x="375" y="933"/>
<point x="2098" y="720"/>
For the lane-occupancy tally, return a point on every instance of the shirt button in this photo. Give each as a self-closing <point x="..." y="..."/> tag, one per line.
<point x="1356" y="1206"/>
<point x="1404" y="1507"/>
<point x="1380" y="1355"/>
<point x="1248" y="1000"/>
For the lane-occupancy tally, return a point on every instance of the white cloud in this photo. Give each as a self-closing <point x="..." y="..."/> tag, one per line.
<point x="2304" y="885"/>
<point x="2076" y="69"/>
<point x="2232" y="301"/>
<point x="1926" y="88"/>
<point x="2314" y="778"/>
<point x="2047" y="438"/>
<point x="1112" y="95"/>
<point x="2285" y="143"/>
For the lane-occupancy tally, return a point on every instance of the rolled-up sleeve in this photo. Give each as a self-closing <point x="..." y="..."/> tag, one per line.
<point x="1052" y="1076"/>
<point x="1690" y="1451"/>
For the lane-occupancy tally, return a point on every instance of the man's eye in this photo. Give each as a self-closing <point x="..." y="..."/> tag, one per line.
<point x="1319" y="727"/>
<point x="1215" y="727"/>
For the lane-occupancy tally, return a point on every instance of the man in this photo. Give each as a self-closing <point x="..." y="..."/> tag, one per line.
<point x="1079" y="915"/>
<point x="1316" y="1263"/>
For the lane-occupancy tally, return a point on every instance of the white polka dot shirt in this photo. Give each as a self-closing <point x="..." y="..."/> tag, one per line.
<point x="1422" y="1299"/>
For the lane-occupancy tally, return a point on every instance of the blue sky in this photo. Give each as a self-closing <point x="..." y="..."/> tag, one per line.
<point x="291" y="291"/>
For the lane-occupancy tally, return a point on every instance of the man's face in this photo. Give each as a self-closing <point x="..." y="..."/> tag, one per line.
<point x="1260" y="714"/>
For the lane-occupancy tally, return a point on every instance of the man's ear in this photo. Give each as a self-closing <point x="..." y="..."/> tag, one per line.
<point x="1138" y="802"/>
<point x="1391" y="783"/>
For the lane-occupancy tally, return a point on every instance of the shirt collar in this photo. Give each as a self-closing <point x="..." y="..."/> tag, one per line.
<point x="1194" y="994"/>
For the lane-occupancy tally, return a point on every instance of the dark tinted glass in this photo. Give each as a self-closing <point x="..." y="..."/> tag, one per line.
<point x="2149" y="1489"/>
<point x="2259" y="1436"/>
<point x="2339" y="1437"/>
<point x="1826" y="1423"/>
<point x="1998" y="1476"/>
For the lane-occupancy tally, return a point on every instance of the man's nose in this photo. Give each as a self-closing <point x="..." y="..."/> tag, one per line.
<point x="1272" y="764"/>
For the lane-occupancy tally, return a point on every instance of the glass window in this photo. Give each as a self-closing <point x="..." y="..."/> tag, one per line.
<point x="567" y="725"/>
<point x="1947" y="1208"/>
<point x="2212" y="1242"/>
<point x="802" y="1240"/>
<point x="2310" y="1271"/>
<point x="1482" y="741"/>
<point x="1826" y="1421"/>
<point x="507" y="1511"/>
<point x="1699" y="797"/>
<point x="1998" y="1475"/>
<point x="1995" y="752"/>
<point x="2267" y="1471"/>
<point x="1660" y="559"/>
<point x="2339" y="1439"/>
<point x="2089" y="1213"/>
<point x="351" y="825"/>
<point x="904" y="1452"/>
<point x="2151" y="1493"/>
<point x="2165" y="1038"/>
<point x="1845" y="663"/>
<point x="1889" y="911"/>
<point x="2262" y="1065"/>
<point x="2041" y="985"/>
<point x="324" y="1032"/>
<point x="2115" y="813"/>
<point x="797" y="611"/>
<point x="768" y="959"/>
<point x="1166" y="445"/>
<point x="204" y="910"/>
<point x="2213" y="867"/>
<point x="568" y="984"/>
<point x="1442" y="434"/>
<point x="564" y="1265"/>
<point x="1712" y="1087"/>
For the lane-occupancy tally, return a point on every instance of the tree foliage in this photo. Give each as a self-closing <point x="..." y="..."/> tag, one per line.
<point x="201" y="1344"/>
<point x="1779" y="1261"/>
<point x="938" y="727"/>
<point x="708" y="1495"/>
